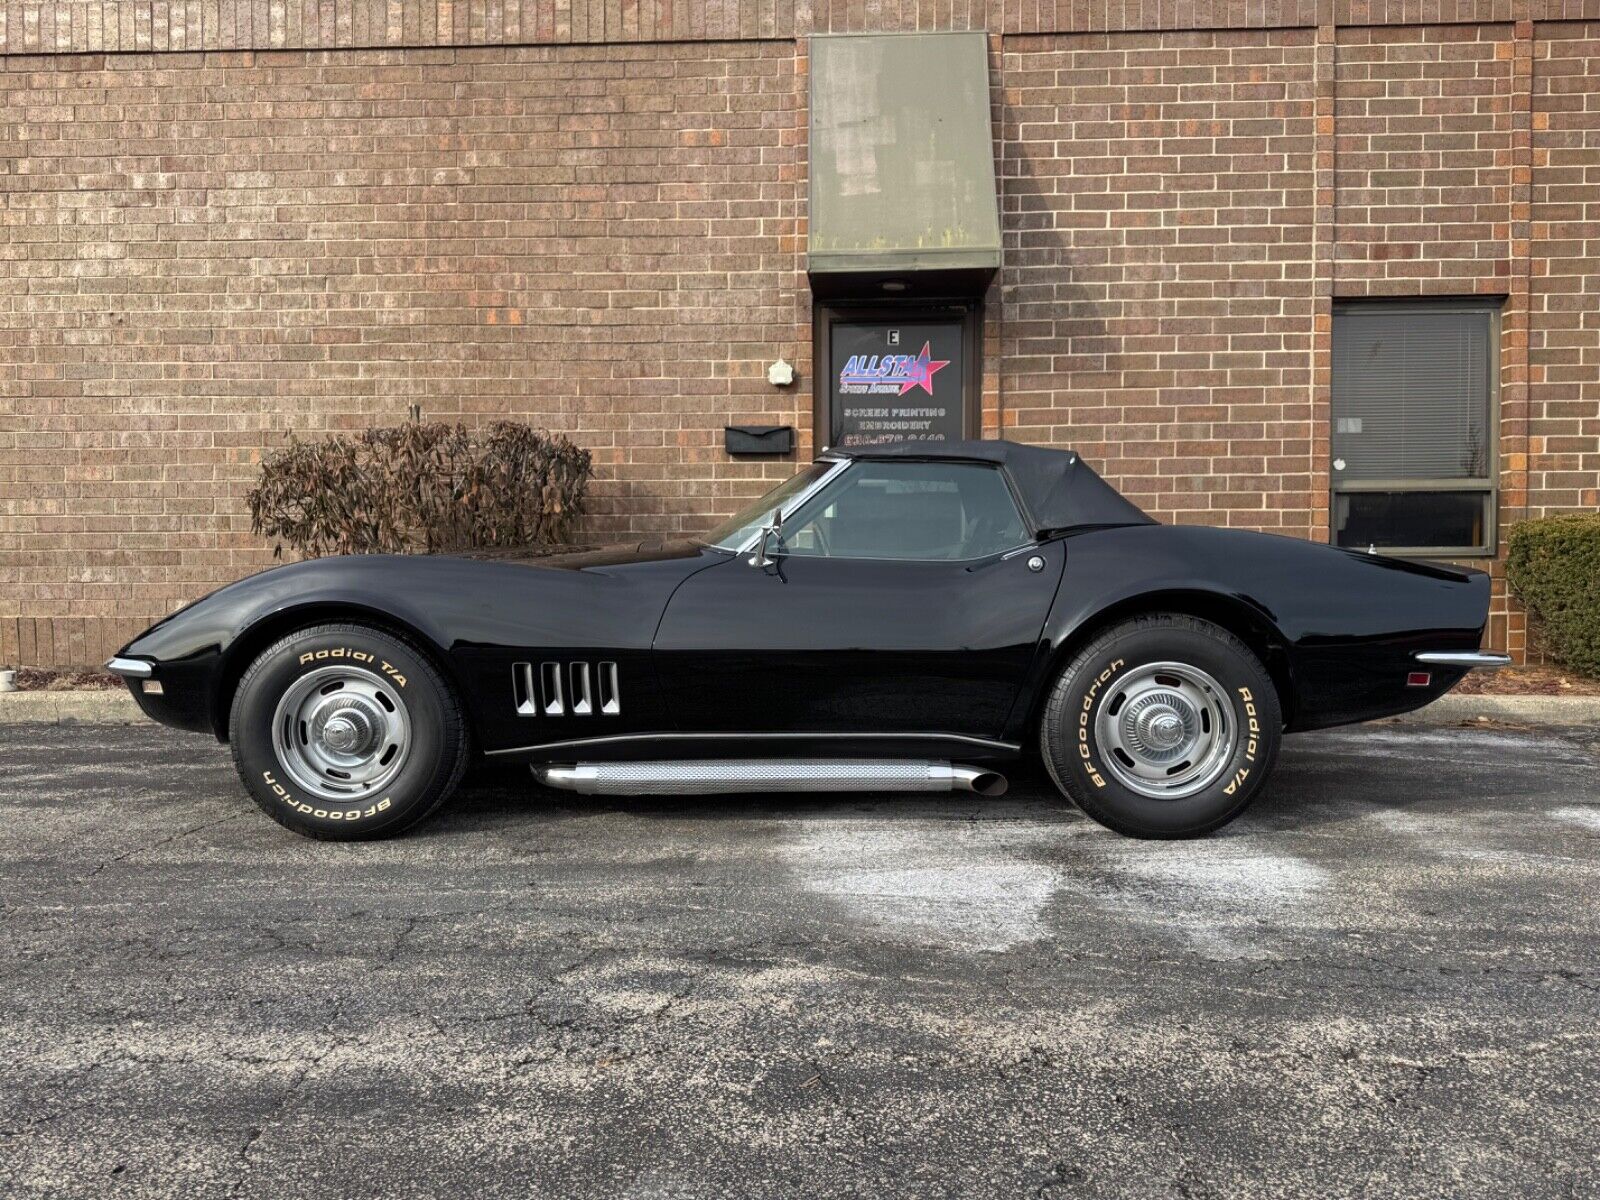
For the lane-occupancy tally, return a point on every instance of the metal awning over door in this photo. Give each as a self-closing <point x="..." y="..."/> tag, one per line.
<point x="902" y="161"/>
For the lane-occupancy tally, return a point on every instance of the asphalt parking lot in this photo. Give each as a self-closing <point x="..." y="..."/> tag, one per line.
<point x="1385" y="980"/>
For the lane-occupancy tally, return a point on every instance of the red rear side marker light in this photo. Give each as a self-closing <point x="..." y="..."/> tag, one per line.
<point x="1419" y="679"/>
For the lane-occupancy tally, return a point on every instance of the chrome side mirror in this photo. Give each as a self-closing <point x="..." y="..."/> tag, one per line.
<point x="770" y="535"/>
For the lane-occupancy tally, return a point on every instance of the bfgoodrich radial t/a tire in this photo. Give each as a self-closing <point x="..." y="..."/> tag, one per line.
<point x="343" y="732"/>
<point x="1165" y="726"/>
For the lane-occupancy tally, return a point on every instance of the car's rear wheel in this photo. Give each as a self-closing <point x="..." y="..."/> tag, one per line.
<point x="345" y="732"/>
<point x="1164" y="726"/>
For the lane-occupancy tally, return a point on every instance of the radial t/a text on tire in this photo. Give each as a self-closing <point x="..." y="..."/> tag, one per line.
<point x="345" y="732"/>
<point x="1164" y="726"/>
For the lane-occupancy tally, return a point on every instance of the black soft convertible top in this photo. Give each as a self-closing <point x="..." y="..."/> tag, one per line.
<point x="1059" y="489"/>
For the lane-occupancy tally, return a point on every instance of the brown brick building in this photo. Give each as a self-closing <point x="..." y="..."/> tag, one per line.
<point x="1236" y="239"/>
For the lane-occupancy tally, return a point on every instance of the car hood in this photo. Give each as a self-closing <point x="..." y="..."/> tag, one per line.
<point x="590" y="596"/>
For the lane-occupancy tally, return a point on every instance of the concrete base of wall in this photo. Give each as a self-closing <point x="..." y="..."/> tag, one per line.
<point x="70" y="708"/>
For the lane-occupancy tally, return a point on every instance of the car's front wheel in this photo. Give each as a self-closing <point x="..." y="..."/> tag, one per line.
<point x="1165" y="726"/>
<point x="345" y="732"/>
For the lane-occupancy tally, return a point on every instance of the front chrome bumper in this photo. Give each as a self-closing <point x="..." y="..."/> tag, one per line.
<point x="130" y="668"/>
<point x="1472" y="660"/>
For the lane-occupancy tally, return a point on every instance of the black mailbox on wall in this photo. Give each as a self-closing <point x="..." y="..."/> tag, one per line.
<point x="758" y="439"/>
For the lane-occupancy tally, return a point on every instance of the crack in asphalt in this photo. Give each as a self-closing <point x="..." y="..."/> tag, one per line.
<point x="406" y="930"/>
<point x="30" y="1125"/>
<point x="166" y="841"/>
<point x="255" y="1134"/>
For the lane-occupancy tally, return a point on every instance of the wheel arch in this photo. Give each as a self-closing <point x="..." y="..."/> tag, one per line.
<point x="272" y="627"/>
<point x="1246" y="622"/>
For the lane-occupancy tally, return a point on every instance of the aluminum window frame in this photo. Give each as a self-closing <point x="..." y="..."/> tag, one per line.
<point x="1493" y="307"/>
<point x="850" y="463"/>
<point x="837" y="467"/>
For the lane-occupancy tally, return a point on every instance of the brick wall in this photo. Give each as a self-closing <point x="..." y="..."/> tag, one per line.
<point x="125" y="26"/>
<point x="92" y="26"/>
<point x="1423" y="160"/>
<point x="206" y="252"/>
<point x="1564" y="429"/>
<point x="1158" y="279"/>
<point x="590" y="214"/>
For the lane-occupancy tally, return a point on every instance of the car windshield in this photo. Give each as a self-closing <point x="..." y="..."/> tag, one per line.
<point x="737" y="530"/>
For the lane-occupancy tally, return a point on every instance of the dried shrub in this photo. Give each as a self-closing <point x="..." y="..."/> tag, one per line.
<point x="1554" y="568"/>
<point x="421" y="487"/>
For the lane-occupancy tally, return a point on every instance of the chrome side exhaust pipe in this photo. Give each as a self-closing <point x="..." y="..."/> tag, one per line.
<point x="711" y="775"/>
<point x="976" y="779"/>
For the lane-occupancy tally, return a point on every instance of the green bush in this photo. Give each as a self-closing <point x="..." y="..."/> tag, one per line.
<point x="1554" y="568"/>
<point x="421" y="487"/>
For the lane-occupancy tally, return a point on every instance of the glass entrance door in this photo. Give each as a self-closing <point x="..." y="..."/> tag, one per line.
<point x="896" y="375"/>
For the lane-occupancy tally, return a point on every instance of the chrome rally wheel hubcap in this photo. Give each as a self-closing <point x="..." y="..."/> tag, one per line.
<point x="1166" y="730"/>
<point x="341" y="733"/>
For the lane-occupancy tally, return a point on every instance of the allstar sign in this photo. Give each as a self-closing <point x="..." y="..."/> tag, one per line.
<point x="920" y="371"/>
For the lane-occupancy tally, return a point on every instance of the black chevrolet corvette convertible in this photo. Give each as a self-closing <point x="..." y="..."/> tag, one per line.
<point x="906" y="618"/>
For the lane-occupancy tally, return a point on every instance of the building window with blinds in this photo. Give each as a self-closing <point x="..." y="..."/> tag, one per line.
<point x="1413" y="437"/>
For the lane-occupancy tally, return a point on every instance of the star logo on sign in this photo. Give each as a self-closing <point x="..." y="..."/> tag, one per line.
<point x="920" y="371"/>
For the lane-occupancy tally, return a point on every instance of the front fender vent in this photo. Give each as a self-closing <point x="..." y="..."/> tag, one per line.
<point x="554" y="689"/>
<point x="522" y="689"/>
<point x="555" y="700"/>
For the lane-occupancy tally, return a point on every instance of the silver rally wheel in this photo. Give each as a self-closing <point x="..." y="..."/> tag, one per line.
<point x="341" y="733"/>
<point x="1166" y="730"/>
<point x="334" y="748"/>
<point x="1165" y="725"/>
